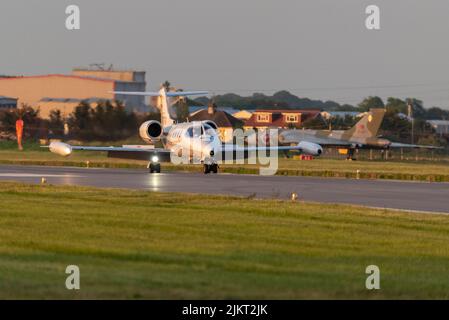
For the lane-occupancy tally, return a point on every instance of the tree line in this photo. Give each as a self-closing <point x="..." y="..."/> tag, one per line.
<point x="107" y="121"/>
<point x="286" y="100"/>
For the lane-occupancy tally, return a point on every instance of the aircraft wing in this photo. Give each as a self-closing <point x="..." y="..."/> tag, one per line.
<point x="328" y="142"/>
<point x="133" y="153"/>
<point x="186" y="93"/>
<point x="157" y="94"/>
<point x="296" y="136"/>
<point x="416" y="146"/>
<point x="304" y="147"/>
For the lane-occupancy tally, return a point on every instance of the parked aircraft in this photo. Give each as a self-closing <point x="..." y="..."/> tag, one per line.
<point x="198" y="141"/>
<point x="362" y="136"/>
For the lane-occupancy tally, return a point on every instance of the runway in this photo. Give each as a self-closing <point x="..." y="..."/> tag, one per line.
<point x="419" y="196"/>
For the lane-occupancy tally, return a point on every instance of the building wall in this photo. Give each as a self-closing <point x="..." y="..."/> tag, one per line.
<point x="136" y="103"/>
<point x="125" y="81"/>
<point x="7" y="103"/>
<point x="30" y="90"/>
<point x="66" y="108"/>
<point x="128" y="76"/>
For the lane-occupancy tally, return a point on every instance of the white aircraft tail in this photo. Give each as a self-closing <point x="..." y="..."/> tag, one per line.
<point x="165" y="102"/>
<point x="166" y="107"/>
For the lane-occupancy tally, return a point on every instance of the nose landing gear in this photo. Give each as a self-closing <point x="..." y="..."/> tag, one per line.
<point x="154" y="166"/>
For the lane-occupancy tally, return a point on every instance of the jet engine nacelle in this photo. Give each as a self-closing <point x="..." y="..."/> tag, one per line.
<point x="310" y="148"/>
<point x="150" y="131"/>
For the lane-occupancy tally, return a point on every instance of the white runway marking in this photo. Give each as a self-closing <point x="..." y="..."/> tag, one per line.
<point x="33" y="175"/>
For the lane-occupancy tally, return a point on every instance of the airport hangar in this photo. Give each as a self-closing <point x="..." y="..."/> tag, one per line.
<point x="7" y="103"/>
<point x="65" y="92"/>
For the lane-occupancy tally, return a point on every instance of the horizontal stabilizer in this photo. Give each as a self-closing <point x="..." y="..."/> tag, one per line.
<point x="157" y="94"/>
<point x="417" y="146"/>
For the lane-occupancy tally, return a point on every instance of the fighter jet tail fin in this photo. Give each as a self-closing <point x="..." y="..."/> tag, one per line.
<point x="368" y="126"/>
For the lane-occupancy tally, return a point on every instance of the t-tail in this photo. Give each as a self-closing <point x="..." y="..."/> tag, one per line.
<point x="367" y="127"/>
<point x="165" y="102"/>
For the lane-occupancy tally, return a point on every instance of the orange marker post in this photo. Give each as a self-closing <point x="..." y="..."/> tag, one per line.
<point x="19" y="132"/>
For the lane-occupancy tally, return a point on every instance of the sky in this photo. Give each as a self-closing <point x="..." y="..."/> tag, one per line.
<point x="319" y="49"/>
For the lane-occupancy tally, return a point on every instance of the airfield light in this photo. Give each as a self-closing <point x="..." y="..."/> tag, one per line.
<point x="154" y="159"/>
<point x="294" y="196"/>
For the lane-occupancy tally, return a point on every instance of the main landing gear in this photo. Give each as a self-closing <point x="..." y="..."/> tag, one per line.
<point x="210" y="168"/>
<point x="351" y="156"/>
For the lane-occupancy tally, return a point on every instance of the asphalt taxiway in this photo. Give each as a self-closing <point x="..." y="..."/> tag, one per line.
<point x="405" y="195"/>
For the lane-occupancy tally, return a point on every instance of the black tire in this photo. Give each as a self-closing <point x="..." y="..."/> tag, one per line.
<point x="155" y="168"/>
<point x="206" y="169"/>
<point x="214" y="168"/>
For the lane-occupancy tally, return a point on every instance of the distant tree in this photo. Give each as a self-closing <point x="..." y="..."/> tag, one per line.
<point x="109" y="122"/>
<point x="56" y="122"/>
<point x="431" y="140"/>
<point x="418" y="110"/>
<point x="166" y="85"/>
<point x="142" y="117"/>
<point x="395" y="128"/>
<point x="371" y="103"/>
<point x="316" y="123"/>
<point x="280" y="100"/>
<point x="79" y="121"/>
<point x="342" y="123"/>
<point x="182" y="110"/>
<point x="32" y="123"/>
<point x="395" y="105"/>
<point x="437" y="113"/>
<point x="8" y="119"/>
<point x="346" y="107"/>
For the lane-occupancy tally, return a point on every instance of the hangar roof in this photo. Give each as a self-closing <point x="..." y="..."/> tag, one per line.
<point x="59" y="76"/>
<point x="73" y="100"/>
<point x="7" y="98"/>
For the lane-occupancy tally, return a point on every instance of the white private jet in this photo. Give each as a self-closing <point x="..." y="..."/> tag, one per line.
<point x="198" y="140"/>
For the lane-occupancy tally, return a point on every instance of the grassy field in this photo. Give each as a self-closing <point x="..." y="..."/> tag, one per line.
<point x="133" y="244"/>
<point x="405" y="170"/>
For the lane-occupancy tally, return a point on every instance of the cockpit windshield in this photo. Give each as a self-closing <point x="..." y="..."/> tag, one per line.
<point x="196" y="131"/>
<point x="208" y="129"/>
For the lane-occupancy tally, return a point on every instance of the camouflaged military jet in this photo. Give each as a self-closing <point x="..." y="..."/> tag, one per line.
<point x="362" y="136"/>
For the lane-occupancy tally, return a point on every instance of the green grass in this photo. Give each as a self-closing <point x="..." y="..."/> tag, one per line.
<point x="134" y="244"/>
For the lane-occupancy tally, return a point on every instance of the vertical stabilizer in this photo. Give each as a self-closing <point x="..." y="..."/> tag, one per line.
<point x="368" y="126"/>
<point x="165" y="105"/>
<point x="165" y="101"/>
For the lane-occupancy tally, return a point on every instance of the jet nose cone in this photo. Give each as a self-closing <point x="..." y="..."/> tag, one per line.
<point x="210" y="149"/>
